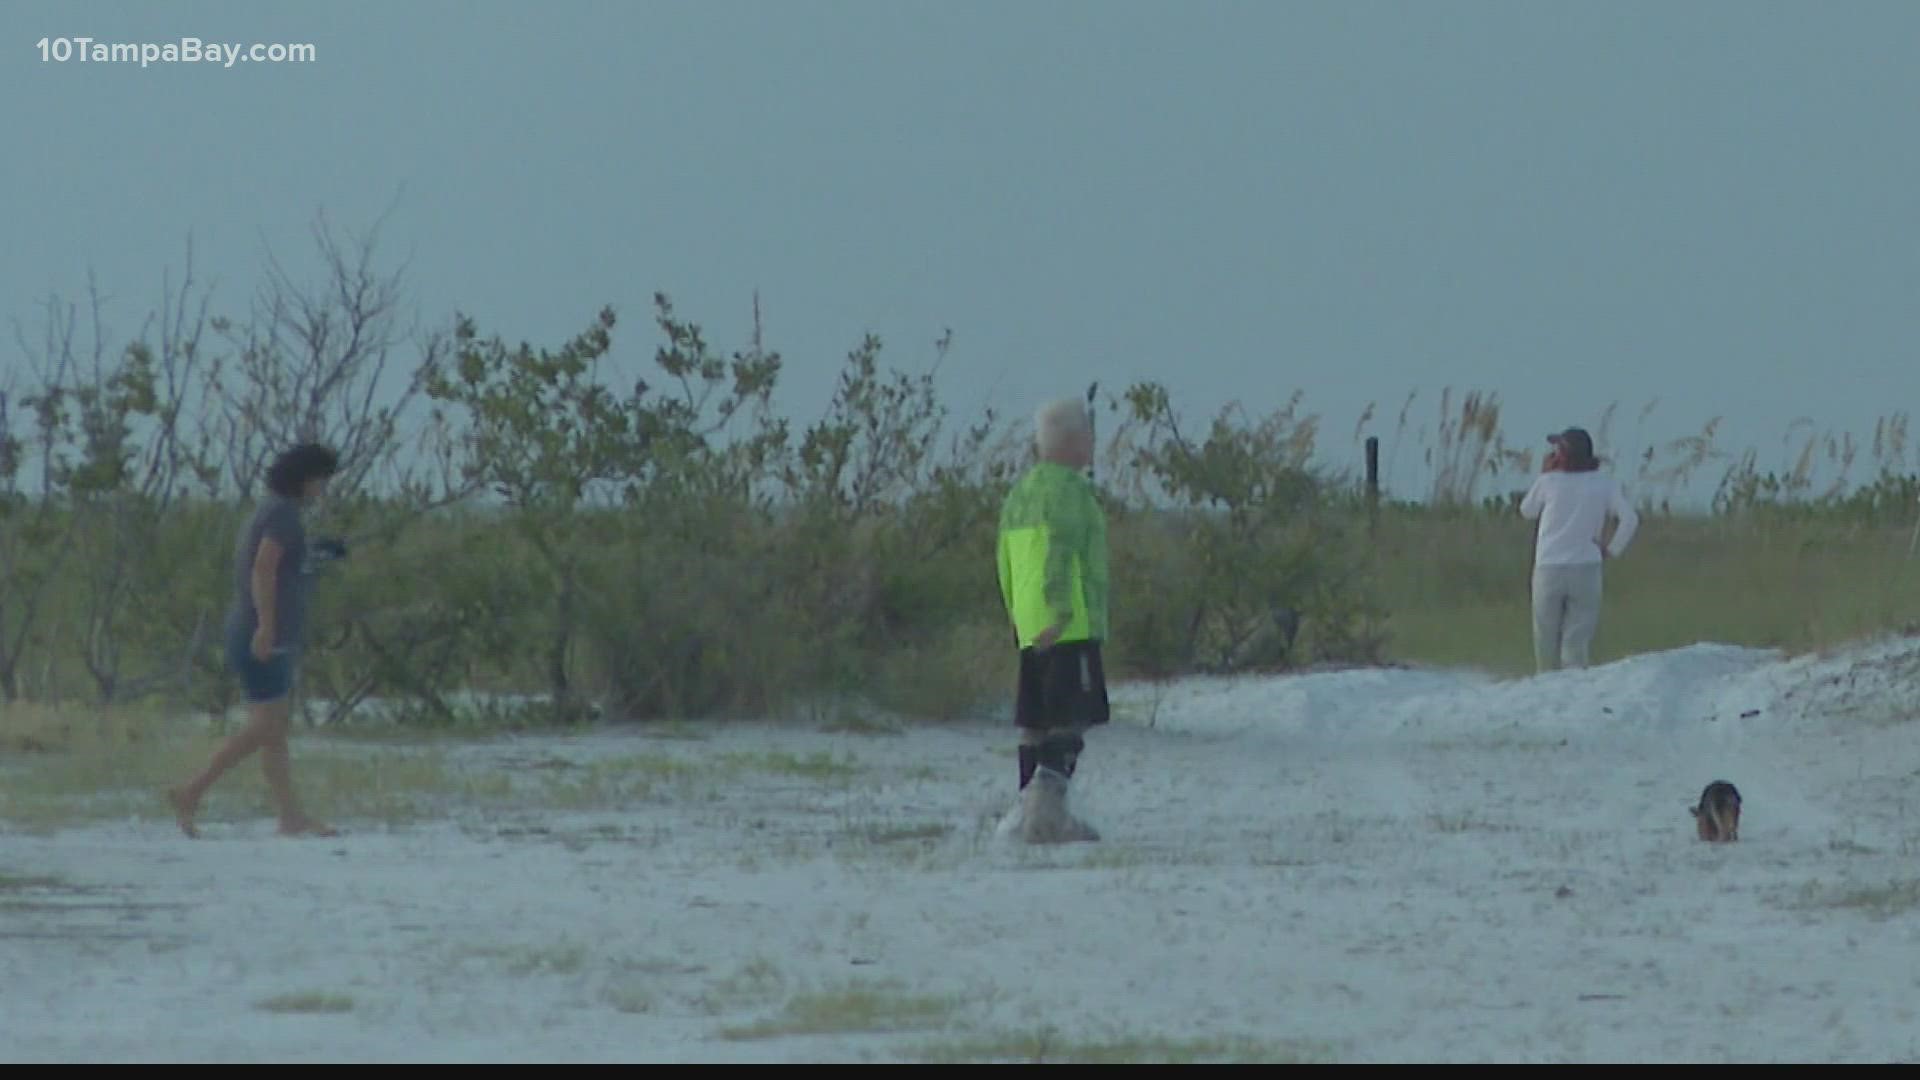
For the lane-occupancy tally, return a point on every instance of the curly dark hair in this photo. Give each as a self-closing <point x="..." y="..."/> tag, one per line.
<point x="289" y="473"/>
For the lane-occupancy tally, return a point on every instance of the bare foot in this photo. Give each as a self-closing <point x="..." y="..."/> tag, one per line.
<point x="183" y="812"/>
<point x="306" y="826"/>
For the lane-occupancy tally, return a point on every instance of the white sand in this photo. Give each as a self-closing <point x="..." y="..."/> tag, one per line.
<point x="1361" y="866"/>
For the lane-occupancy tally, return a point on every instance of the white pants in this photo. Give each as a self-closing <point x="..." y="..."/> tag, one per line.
<point x="1566" y="612"/>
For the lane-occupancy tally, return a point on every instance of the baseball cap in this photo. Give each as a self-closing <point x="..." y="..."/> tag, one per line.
<point x="1574" y="440"/>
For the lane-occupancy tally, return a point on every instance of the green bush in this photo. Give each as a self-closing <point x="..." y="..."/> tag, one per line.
<point x="669" y="547"/>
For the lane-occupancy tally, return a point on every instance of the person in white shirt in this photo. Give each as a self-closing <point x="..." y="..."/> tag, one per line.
<point x="1572" y="500"/>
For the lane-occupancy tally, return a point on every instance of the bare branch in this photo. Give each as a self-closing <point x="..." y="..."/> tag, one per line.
<point x="314" y="365"/>
<point x="173" y="675"/>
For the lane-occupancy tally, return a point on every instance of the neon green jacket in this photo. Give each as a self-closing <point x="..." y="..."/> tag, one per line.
<point x="1053" y="555"/>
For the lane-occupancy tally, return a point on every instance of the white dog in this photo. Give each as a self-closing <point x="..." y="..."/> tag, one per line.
<point x="1042" y="817"/>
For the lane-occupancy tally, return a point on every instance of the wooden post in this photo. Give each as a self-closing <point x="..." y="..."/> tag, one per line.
<point x="1373" y="481"/>
<point x="1091" y="390"/>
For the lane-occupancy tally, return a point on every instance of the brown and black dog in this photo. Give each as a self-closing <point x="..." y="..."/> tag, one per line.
<point x="1717" y="814"/>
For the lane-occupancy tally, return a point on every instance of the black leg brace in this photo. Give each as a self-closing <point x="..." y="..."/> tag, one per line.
<point x="1061" y="753"/>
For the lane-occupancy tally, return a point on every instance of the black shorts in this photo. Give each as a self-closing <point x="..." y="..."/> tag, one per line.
<point x="1065" y="686"/>
<point x="262" y="681"/>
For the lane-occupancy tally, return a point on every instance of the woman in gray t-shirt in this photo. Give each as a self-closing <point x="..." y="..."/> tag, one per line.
<point x="265" y="628"/>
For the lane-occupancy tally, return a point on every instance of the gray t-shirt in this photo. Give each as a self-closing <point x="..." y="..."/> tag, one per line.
<point x="279" y="518"/>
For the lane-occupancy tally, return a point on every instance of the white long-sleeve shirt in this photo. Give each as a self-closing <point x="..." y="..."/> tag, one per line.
<point x="1572" y="509"/>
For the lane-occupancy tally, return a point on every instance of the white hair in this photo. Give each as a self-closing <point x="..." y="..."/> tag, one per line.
<point x="1058" y="423"/>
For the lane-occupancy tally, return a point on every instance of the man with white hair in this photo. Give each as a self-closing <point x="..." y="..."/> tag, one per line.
<point x="1053" y="579"/>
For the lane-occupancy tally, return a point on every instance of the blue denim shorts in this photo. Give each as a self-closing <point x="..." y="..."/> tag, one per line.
<point x="261" y="681"/>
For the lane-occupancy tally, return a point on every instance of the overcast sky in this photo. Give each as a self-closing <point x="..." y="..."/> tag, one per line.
<point x="1711" y="204"/>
